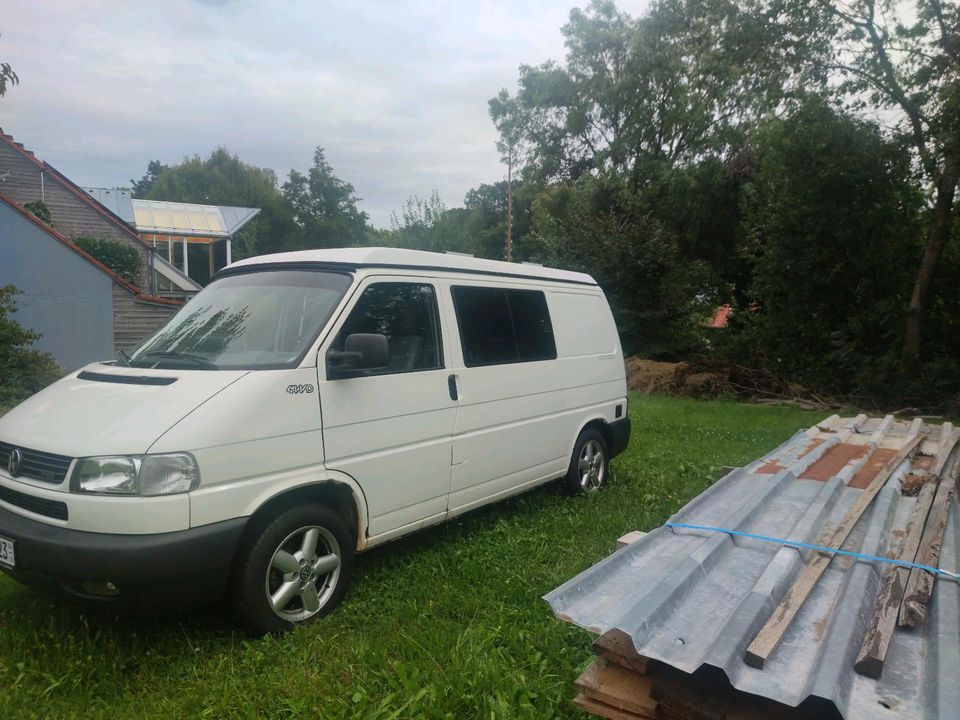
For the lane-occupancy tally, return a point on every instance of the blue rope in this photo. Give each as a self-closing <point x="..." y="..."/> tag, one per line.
<point x="820" y="548"/>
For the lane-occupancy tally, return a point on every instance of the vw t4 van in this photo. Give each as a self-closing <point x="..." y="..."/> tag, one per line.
<point x="304" y="407"/>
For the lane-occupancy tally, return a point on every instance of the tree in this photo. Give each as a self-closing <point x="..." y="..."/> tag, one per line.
<point x="830" y="217"/>
<point x="507" y="118"/>
<point x="8" y="78"/>
<point x="597" y="226"/>
<point x="223" y="179"/>
<point x="683" y="81"/>
<point x="141" y="188"/>
<point x="325" y="207"/>
<point x="22" y="371"/>
<point x="890" y="60"/>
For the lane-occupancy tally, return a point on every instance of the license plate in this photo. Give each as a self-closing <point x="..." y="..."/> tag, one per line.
<point x="7" y="558"/>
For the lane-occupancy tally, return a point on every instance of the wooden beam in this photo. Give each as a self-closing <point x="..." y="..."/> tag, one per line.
<point x="594" y="707"/>
<point x="873" y="651"/>
<point x="776" y="626"/>
<point x="617" y="686"/>
<point x="919" y="585"/>
<point x="617" y="647"/>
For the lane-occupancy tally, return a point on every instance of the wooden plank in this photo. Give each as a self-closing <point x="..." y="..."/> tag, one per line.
<point x="770" y="635"/>
<point x="880" y="629"/>
<point x="617" y="647"/>
<point x="613" y="685"/>
<point x="630" y="538"/>
<point x="595" y="707"/>
<point x="919" y="585"/>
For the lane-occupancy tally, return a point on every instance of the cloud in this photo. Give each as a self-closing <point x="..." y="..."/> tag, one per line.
<point x="396" y="92"/>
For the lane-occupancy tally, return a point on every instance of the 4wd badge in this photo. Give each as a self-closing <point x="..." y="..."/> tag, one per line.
<point x="299" y="389"/>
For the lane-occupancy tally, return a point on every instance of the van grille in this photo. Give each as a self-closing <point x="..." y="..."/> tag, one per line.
<point x="41" y="506"/>
<point x="38" y="465"/>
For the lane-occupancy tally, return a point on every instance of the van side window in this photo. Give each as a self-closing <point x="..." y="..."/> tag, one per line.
<point x="499" y="326"/>
<point x="407" y="314"/>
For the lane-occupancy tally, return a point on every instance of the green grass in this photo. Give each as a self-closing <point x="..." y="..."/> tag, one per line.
<point x="447" y="623"/>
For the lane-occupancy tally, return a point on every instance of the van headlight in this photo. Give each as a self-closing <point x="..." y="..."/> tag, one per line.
<point x="136" y="475"/>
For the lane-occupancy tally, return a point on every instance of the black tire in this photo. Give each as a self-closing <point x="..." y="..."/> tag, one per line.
<point x="256" y="575"/>
<point x="574" y="482"/>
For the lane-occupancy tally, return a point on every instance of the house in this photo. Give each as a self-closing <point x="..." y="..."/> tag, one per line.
<point x="83" y="310"/>
<point x="194" y="239"/>
<point x="55" y="302"/>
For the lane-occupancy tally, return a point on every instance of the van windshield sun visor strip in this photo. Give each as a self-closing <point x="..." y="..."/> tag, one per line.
<point x="126" y="379"/>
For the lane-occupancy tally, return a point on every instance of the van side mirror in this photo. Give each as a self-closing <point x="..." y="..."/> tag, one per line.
<point x="361" y="351"/>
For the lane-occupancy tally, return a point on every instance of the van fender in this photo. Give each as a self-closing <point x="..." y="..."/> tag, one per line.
<point x="593" y="417"/>
<point x="323" y="477"/>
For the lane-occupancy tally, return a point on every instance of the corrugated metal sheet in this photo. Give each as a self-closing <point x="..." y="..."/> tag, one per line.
<point x="693" y="598"/>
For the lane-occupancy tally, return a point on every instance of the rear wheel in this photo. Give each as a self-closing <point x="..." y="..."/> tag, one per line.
<point x="295" y="570"/>
<point x="589" y="464"/>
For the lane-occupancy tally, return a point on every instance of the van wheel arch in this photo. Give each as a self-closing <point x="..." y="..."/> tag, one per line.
<point x="601" y="425"/>
<point x="336" y="495"/>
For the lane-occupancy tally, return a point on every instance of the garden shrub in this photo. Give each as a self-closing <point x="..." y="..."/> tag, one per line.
<point x="40" y="209"/>
<point x="122" y="259"/>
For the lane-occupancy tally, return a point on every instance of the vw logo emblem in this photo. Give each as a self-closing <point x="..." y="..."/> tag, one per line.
<point x="13" y="463"/>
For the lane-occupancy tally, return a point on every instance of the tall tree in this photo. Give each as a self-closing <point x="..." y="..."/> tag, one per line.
<point x="508" y="119"/>
<point x="141" y="188"/>
<point x="223" y="179"/>
<point x="8" y="78"/>
<point x="830" y="218"/>
<point x="889" y="59"/>
<point x="325" y="207"/>
<point x="666" y="88"/>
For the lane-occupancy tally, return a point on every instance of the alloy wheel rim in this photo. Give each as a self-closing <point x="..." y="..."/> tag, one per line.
<point x="303" y="573"/>
<point x="592" y="466"/>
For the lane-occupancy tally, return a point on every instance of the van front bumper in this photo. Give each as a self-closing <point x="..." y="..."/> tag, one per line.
<point x="157" y="569"/>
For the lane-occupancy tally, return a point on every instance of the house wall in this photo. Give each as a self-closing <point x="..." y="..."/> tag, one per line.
<point x="135" y="320"/>
<point x="65" y="298"/>
<point x="71" y="215"/>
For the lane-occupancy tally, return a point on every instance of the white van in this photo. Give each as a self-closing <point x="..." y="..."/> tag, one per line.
<point x="303" y="407"/>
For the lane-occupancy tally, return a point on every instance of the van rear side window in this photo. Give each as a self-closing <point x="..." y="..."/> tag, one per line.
<point x="499" y="326"/>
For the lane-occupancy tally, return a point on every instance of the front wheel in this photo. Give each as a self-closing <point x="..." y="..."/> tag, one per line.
<point x="295" y="570"/>
<point x="589" y="463"/>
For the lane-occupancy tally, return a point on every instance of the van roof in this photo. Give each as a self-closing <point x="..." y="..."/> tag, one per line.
<point x="384" y="257"/>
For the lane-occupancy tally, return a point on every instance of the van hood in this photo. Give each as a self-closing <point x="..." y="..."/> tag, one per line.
<point x="106" y="409"/>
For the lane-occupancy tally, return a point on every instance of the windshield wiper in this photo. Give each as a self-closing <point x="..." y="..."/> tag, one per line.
<point x="177" y="355"/>
<point x="124" y="357"/>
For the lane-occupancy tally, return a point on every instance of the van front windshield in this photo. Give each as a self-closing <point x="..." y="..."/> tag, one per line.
<point x="252" y="321"/>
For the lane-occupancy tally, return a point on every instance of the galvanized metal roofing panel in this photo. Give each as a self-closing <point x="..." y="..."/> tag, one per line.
<point x="691" y="598"/>
<point x="116" y="200"/>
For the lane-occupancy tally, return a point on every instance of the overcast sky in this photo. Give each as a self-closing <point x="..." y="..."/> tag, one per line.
<point x="395" y="91"/>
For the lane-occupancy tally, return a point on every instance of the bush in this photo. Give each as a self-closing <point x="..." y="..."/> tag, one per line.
<point x="40" y="209"/>
<point x="122" y="259"/>
<point x="22" y="371"/>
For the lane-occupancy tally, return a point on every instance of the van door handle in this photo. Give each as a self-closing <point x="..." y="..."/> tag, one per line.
<point x="452" y="387"/>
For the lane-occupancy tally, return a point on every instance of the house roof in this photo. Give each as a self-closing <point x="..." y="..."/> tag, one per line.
<point x="71" y="187"/>
<point x="85" y="255"/>
<point x="720" y="318"/>
<point x="401" y="258"/>
<point x="174" y="218"/>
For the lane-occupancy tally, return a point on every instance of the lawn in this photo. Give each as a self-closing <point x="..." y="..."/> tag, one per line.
<point x="447" y="623"/>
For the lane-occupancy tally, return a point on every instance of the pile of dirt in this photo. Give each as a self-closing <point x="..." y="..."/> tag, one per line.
<point x="708" y="379"/>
